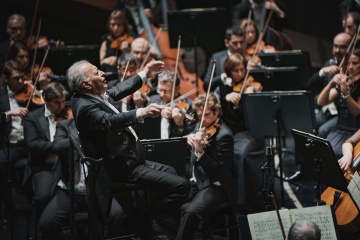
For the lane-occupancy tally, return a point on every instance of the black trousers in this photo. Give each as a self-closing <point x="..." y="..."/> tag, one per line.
<point x="57" y="214"/>
<point x="203" y="202"/>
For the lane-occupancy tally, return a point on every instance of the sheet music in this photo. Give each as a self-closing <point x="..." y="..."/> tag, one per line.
<point x="354" y="189"/>
<point x="321" y="215"/>
<point x="265" y="225"/>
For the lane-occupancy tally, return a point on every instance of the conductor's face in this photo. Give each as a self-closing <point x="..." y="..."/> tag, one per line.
<point x="95" y="82"/>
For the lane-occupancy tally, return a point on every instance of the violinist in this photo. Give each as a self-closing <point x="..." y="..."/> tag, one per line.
<point x="138" y="98"/>
<point x="212" y="163"/>
<point x="234" y="42"/>
<point x="252" y="35"/>
<point x="344" y="91"/>
<point x="176" y="119"/>
<point x="139" y="48"/>
<point x="21" y="53"/>
<point x="12" y="81"/>
<point x="39" y="129"/>
<point x="117" y="41"/>
<point x="326" y="116"/>
<point x="16" y="29"/>
<point x="351" y="23"/>
<point x="249" y="151"/>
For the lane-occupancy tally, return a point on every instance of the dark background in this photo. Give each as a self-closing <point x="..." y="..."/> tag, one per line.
<point x="78" y="23"/>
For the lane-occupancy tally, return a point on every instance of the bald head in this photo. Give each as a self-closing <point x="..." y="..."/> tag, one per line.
<point x="303" y="229"/>
<point x="139" y="48"/>
<point x="340" y="44"/>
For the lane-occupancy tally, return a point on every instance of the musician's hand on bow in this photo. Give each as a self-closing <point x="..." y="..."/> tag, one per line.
<point x="166" y="112"/>
<point x="330" y="70"/>
<point x="233" y="97"/>
<point x="199" y="142"/>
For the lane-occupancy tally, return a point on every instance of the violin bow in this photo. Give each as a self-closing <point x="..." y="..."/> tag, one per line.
<point x="36" y="48"/>
<point x="176" y="67"/>
<point x="208" y="91"/>
<point x="278" y="216"/>
<point x="150" y="46"/>
<point x="256" y="49"/>
<point x="33" y="20"/>
<point x="126" y="68"/>
<point x="194" y="90"/>
<point x="347" y="50"/>
<point x="354" y="44"/>
<point x="38" y="76"/>
<point x="247" y="25"/>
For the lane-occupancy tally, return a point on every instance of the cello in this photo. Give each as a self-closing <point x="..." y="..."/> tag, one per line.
<point x="347" y="214"/>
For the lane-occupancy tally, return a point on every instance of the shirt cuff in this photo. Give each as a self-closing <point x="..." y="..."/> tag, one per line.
<point x="138" y="116"/>
<point x="321" y="73"/>
<point x="142" y="74"/>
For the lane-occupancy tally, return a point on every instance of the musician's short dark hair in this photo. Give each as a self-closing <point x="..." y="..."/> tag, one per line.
<point x="54" y="90"/>
<point x="234" y="30"/>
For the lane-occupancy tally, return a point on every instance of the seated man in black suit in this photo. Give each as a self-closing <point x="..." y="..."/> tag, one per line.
<point x="39" y="131"/>
<point x="212" y="166"/>
<point x="234" y="42"/>
<point x="105" y="132"/>
<point x="57" y="212"/>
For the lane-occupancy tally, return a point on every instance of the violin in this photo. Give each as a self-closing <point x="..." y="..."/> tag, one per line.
<point x="117" y="42"/>
<point x="211" y="130"/>
<point x="183" y="106"/>
<point x="66" y="113"/>
<point x="250" y="83"/>
<point x="42" y="42"/>
<point x="23" y="96"/>
<point x="347" y="214"/>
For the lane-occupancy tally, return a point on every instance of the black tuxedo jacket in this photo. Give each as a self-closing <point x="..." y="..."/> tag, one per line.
<point x="105" y="134"/>
<point x="217" y="163"/>
<point x="5" y="106"/>
<point x="219" y="65"/>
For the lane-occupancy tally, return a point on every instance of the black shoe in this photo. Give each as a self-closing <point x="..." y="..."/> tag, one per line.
<point x="295" y="177"/>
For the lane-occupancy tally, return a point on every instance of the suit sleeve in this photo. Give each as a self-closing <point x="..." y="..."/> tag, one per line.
<point x="61" y="143"/>
<point x="125" y="88"/>
<point x="34" y="140"/>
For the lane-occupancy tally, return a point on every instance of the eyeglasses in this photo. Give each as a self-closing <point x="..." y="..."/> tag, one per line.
<point x="158" y="90"/>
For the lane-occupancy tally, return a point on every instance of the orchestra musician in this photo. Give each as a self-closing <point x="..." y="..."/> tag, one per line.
<point x="117" y="41"/>
<point x="12" y="81"/>
<point x="175" y="120"/>
<point x="252" y="35"/>
<point x="212" y="164"/>
<point x="57" y="211"/>
<point x="234" y="42"/>
<point x="249" y="151"/>
<point x="351" y="23"/>
<point x="344" y="91"/>
<point x="326" y="117"/>
<point x="16" y="29"/>
<point x="39" y="131"/>
<point x="106" y="132"/>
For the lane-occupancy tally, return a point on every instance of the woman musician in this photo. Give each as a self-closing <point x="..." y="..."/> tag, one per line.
<point x="249" y="151"/>
<point x="344" y="91"/>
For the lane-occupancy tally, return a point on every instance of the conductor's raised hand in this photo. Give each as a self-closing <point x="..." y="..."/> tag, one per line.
<point x="152" y="111"/>
<point x="152" y="68"/>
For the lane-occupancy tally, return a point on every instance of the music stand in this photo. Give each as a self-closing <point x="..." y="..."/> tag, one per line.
<point x="189" y="24"/>
<point x="320" y="161"/>
<point x="280" y="112"/>
<point x="163" y="151"/>
<point x="297" y="58"/>
<point x="278" y="78"/>
<point x="60" y="58"/>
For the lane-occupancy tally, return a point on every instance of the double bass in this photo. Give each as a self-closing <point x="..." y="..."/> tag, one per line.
<point x="188" y="81"/>
<point x="347" y="214"/>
